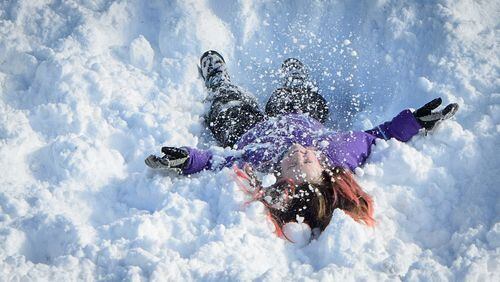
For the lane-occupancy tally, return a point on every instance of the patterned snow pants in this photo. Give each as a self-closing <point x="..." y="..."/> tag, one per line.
<point x="234" y="111"/>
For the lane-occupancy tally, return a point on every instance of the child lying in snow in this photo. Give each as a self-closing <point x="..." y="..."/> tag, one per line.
<point x="313" y="165"/>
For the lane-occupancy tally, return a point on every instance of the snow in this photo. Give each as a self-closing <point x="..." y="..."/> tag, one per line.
<point x="298" y="233"/>
<point x="90" y="88"/>
<point x="141" y="53"/>
<point x="425" y="84"/>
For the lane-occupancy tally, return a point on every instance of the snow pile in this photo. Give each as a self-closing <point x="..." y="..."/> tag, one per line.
<point x="89" y="88"/>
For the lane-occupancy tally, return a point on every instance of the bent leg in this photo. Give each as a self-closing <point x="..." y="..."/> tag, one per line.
<point x="294" y="101"/>
<point x="298" y="94"/>
<point x="232" y="113"/>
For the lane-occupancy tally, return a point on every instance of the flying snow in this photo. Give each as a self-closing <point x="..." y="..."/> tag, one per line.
<point x="88" y="89"/>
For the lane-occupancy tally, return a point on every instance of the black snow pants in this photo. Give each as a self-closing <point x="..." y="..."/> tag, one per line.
<point x="234" y="111"/>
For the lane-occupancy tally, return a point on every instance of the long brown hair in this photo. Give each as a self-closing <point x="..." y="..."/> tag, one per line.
<point x="349" y="197"/>
<point x="314" y="203"/>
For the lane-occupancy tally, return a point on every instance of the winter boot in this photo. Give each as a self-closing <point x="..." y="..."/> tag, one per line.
<point x="213" y="69"/>
<point x="294" y="73"/>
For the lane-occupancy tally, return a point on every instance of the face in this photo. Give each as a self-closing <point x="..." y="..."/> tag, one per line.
<point x="301" y="164"/>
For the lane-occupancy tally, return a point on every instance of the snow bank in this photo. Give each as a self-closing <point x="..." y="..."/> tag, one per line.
<point x="89" y="88"/>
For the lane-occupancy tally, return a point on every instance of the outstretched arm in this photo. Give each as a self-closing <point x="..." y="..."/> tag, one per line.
<point x="188" y="160"/>
<point x="198" y="160"/>
<point x="353" y="148"/>
<point x="407" y="124"/>
<point x="402" y="127"/>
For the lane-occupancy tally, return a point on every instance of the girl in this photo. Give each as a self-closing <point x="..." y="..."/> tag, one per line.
<point x="313" y="164"/>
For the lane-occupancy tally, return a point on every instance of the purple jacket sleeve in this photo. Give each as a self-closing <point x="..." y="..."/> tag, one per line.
<point x="351" y="149"/>
<point x="204" y="159"/>
<point x="402" y="127"/>
<point x="198" y="160"/>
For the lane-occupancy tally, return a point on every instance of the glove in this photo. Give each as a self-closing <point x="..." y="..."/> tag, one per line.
<point x="428" y="119"/>
<point x="175" y="158"/>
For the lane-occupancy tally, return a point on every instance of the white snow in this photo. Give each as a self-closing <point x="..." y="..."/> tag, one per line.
<point x="88" y="89"/>
<point x="298" y="233"/>
<point x="141" y="53"/>
<point x="268" y="180"/>
<point x="425" y="84"/>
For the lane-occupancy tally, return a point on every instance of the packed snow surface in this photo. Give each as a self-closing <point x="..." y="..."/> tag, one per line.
<point x="89" y="88"/>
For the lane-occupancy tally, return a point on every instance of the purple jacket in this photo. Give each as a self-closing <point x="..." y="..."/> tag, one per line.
<point x="264" y="144"/>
